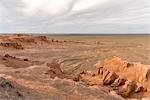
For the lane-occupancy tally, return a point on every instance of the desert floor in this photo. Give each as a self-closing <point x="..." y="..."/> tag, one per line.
<point x="25" y="63"/>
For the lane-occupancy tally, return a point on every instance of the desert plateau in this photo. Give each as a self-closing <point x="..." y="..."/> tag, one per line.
<point x="74" y="67"/>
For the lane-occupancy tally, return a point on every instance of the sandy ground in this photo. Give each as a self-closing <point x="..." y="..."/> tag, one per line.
<point x="25" y="59"/>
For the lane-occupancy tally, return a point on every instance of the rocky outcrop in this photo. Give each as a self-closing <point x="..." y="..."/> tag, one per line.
<point x="15" y="62"/>
<point x="18" y="41"/>
<point x="115" y="74"/>
<point x="11" y="45"/>
<point x="56" y="71"/>
<point x="8" y="91"/>
<point x="124" y="77"/>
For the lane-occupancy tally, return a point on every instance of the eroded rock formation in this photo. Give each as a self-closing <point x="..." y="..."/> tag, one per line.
<point x="124" y="77"/>
<point x="15" y="62"/>
<point x="8" y="90"/>
<point x="11" y="45"/>
<point x="18" y="41"/>
<point x="56" y="71"/>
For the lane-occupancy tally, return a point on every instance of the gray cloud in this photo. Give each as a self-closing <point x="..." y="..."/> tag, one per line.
<point x="112" y="16"/>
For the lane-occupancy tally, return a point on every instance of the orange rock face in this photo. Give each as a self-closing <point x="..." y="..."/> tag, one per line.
<point x="125" y="78"/>
<point x="18" y="41"/>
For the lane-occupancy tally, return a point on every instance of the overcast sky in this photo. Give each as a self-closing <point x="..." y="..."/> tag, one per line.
<point x="75" y="16"/>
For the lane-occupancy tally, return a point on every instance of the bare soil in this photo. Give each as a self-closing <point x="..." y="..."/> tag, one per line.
<point x="64" y="67"/>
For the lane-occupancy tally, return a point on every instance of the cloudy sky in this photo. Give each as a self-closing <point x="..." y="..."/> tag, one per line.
<point x="75" y="16"/>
